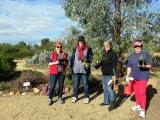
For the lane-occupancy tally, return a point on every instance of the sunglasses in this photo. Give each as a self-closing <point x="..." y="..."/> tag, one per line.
<point x="137" y="46"/>
<point x="59" y="47"/>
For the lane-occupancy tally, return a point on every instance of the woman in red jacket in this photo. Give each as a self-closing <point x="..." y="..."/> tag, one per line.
<point x="57" y="66"/>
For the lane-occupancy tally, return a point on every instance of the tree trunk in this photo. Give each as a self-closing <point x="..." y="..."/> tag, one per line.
<point x="118" y="25"/>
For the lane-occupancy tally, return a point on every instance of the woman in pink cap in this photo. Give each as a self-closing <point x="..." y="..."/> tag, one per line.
<point x="138" y="66"/>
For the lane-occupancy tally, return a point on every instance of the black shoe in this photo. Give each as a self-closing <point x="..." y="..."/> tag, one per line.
<point x="111" y="106"/>
<point x="61" y="100"/>
<point x="103" y="104"/>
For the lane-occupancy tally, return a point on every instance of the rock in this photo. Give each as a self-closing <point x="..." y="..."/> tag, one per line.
<point x="11" y="93"/>
<point x="1" y="93"/>
<point x="18" y="93"/>
<point x="23" y="93"/>
<point x="36" y="90"/>
<point x="4" y="95"/>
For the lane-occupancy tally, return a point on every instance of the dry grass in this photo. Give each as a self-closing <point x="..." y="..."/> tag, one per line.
<point x="156" y="54"/>
<point x="21" y="65"/>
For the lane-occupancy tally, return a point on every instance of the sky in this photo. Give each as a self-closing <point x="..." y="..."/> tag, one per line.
<point x="32" y="20"/>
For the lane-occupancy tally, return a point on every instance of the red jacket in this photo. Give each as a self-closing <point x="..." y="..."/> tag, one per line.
<point x="54" y="68"/>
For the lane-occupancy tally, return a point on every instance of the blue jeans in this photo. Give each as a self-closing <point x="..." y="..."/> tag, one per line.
<point x="108" y="91"/>
<point x="77" y="78"/>
<point x="53" y="80"/>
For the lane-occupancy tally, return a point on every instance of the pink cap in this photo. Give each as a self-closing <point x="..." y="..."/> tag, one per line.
<point x="138" y="43"/>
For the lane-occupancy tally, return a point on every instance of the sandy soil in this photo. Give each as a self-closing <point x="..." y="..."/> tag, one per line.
<point x="35" y="107"/>
<point x="21" y="65"/>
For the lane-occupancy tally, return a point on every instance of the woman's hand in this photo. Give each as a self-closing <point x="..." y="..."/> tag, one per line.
<point x="113" y="78"/>
<point x="54" y="63"/>
<point x="127" y="79"/>
<point x="148" y="66"/>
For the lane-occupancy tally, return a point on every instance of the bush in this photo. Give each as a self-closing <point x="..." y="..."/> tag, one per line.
<point x="35" y="79"/>
<point x="40" y="59"/>
<point x="4" y="86"/>
<point x="156" y="61"/>
<point x="22" y="53"/>
<point x="7" y="67"/>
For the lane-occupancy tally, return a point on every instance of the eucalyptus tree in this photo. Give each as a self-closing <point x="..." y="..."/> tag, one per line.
<point x="92" y="15"/>
<point x="120" y="21"/>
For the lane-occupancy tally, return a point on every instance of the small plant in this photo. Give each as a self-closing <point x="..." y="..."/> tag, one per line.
<point x="97" y="58"/>
<point x="141" y="61"/>
<point x="86" y="62"/>
<point x="35" y="79"/>
<point x="69" y="73"/>
<point x="4" y="86"/>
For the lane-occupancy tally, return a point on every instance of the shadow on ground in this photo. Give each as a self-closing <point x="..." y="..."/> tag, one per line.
<point x="150" y="94"/>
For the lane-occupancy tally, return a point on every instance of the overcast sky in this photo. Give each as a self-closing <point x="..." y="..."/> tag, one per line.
<point x="32" y="20"/>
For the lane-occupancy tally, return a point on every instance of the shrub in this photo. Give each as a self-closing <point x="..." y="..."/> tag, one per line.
<point x="4" y="86"/>
<point x="7" y="67"/>
<point x="156" y="61"/>
<point x="39" y="59"/>
<point x="35" y="79"/>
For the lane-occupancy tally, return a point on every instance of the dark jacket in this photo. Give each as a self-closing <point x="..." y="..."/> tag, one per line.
<point x="108" y="63"/>
<point x="88" y="58"/>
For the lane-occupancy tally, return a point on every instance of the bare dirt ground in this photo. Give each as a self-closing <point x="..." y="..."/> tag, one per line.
<point x="35" y="107"/>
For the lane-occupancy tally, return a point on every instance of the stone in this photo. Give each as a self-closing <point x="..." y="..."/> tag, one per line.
<point x="18" y="92"/>
<point x="23" y="93"/>
<point x="36" y="90"/>
<point x="11" y="93"/>
<point x="4" y="95"/>
<point x="1" y="93"/>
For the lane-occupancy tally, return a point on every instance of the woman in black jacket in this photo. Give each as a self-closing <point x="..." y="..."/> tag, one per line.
<point x="108" y="67"/>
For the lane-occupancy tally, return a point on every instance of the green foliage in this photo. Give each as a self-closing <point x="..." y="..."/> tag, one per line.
<point x="91" y="15"/>
<point x="100" y="18"/>
<point x="17" y="51"/>
<point x="7" y="67"/>
<point x="70" y="40"/>
<point x="156" y="61"/>
<point x="44" y="41"/>
<point x="47" y="44"/>
<point x="4" y="86"/>
<point x="68" y="82"/>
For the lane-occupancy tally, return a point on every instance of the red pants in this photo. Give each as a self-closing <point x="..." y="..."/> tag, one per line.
<point x="140" y="92"/>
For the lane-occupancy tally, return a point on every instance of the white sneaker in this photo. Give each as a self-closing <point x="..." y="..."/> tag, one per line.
<point x="136" y="107"/>
<point x="74" y="99"/>
<point x="49" y="101"/>
<point x="86" y="100"/>
<point x="142" y="114"/>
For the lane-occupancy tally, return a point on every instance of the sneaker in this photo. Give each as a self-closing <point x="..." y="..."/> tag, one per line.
<point x="86" y="100"/>
<point x="49" y="101"/>
<point x="142" y="114"/>
<point x="74" y="99"/>
<point x="103" y="104"/>
<point x="112" y="106"/>
<point x="136" y="107"/>
<point x="61" y="100"/>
